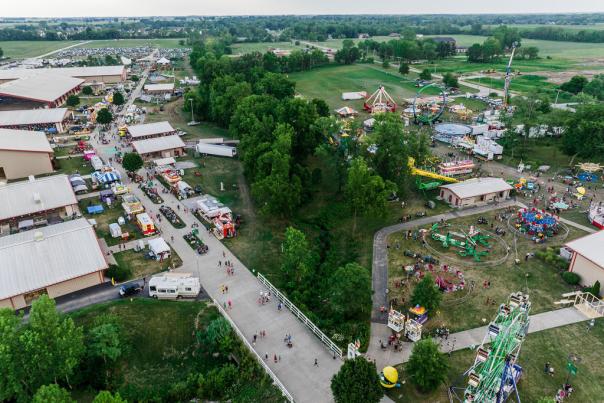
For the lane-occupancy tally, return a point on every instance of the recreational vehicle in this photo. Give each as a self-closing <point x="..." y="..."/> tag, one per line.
<point x="174" y="285"/>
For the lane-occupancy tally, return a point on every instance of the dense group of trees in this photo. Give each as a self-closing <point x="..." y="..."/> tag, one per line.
<point x="407" y="49"/>
<point x="562" y="34"/>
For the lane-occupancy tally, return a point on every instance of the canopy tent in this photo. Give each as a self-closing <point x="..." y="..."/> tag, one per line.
<point x="107" y="177"/>
<point x="98" y="209"/>
<point x="159" y="248"/>
<point x="115" y="230"/>
<point x="164" y="161"/>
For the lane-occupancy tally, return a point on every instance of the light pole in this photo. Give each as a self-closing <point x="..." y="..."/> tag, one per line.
<point x="557" y="95"/>
<point x="192" y="117"/>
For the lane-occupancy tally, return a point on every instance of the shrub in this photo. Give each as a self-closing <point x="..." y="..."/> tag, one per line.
<point x="571" y="278"/>
<point x="118" y="273"/>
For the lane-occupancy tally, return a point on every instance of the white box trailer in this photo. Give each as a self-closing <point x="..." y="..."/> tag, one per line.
<point x="174" y="285"/>
<point x="215" y="149"/>
<point x="96" y="162"/>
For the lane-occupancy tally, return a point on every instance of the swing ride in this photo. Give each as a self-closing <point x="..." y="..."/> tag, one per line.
<point x="494" y="375"/>
<point x="379" y="102"/>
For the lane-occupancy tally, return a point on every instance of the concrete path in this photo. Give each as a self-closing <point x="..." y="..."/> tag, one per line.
<point x="590" y="230"/>
<point x="296" y="370"/>
<point x="466" y="339"/>
<point x="379" y="271"/>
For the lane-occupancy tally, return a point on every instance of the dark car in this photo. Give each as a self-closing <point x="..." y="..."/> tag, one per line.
<point x="130" y="289"/>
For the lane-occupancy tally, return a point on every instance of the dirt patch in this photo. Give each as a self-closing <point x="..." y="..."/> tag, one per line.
<point x="559" y="77"/>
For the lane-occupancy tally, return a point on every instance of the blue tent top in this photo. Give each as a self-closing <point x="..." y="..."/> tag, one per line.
<point x="107" y="177"/>
<point x="95" y="209"/>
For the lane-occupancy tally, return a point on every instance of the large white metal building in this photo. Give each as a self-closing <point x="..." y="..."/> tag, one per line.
<point x="54" y="260"/>
<point x="588" y="258"/>
<point x="160" y="147"/>
<point x="35" y="119"/>
<point x="24" y="153"/>
<point x="150" y="130"/>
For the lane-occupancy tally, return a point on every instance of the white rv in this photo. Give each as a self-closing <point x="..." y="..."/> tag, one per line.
<point x="216" y="149"/>
<point x="174" y="285"/>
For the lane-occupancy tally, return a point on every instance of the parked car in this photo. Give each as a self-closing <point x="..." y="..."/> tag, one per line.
<point x="130" y="289"/>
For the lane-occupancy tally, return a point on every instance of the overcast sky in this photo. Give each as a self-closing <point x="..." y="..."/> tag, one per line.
<point x="71" y="8"/>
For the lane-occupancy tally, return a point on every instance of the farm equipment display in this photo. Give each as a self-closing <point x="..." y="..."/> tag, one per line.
<point x="466" y="243"/>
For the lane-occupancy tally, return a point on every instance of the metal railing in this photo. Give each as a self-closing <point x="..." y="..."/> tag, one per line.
<point x="276" y="380"/>
<point x="593" y="304"/>
<point x="307" y="322"/>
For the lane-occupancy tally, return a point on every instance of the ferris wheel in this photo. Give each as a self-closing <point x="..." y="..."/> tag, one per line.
<point x="494" y="375"/>
<point x="430" y="113"/>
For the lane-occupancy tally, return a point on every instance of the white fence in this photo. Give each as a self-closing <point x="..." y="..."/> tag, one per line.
<point x="276" y="380"/>
<point x="326" y="340"/>
<point x="589" y="304"/>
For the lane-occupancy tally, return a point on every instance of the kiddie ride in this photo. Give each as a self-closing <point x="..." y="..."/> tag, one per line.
<point x="537" y="223"/>
<point x="466" y="243"/>
<point x="494" y="376"/>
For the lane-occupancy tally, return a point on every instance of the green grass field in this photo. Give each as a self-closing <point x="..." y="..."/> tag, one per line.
<point x="25" y="49"/>
<point x="552" y="346"/>
<point x="262" y="47"/>
<point x="525" y="84"/>
<point x="330" y="82"/>
<point x="131" y="43"/>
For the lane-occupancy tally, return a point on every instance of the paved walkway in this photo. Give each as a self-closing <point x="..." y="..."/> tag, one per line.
<point x="296" y="370"/>
<point x="466" y="339"/>
<point x="590" y="230"/>
<point x="379" y="271"/>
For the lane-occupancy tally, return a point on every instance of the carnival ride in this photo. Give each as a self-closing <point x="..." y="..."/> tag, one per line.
<point x="466" y="243"/>
<point x="380" y="101"/>
<point x="508" y="76"/>
<point x="537" y="223"/>
<point x="438" y="178"/>
<point x="428" y="114"/>
<point x="494" y="376"/>
<point x="596" y="214"/>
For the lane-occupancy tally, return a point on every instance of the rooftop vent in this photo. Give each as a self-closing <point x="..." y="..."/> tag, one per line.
<point x="38" y="236"/>
<point x="37" y="198"/>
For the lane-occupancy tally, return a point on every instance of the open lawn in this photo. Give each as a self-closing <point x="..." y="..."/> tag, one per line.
<point x="74" y="165"/>
<point x="330" y="82"/>
<point x="25" y="49"/>
<point x="526" y="84"/>
<point x="459" y="65"/>
<point x="110" y="215"/>
<point x="141" y="267"/>
<point x="552" y="346"/>
<point x="132" y="43"/>
<point x="262" y="47"/>
<point x="465" y="309"/>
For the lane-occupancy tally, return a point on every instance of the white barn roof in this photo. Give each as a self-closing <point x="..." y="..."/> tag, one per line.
<point x="93" y="71"/>
<point x="150" y="129"/>
<point x="24" y="140"/>
<point x="33" y="116"/>
<point x="477" y="187"/>
<point x="28" y="197"/>
<point x="42" y="87"/>
<point x="159" y="87"/>
<point x="38" y="258"/>
<point x="157" y="144"/>
<point x="591" y="247"/>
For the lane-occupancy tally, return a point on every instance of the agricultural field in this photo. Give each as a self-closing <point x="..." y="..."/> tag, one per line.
<point x="25" y="49"/>
<point x="330" y="82"/>
<point x="466" y="309"/>
<point x="552" y="346"/>
<point x="262" y="47"/>
<point x="131" y="43"/>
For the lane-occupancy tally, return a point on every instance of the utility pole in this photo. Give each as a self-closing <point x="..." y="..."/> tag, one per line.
<point x="557" y="95"/>
<point x="192" y="116"/>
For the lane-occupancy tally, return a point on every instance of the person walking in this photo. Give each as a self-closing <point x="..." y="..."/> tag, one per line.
<point x="316" y="363"/>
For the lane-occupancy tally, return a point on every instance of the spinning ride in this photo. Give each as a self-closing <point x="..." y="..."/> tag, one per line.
<point x="430" y="113"/>
<point x="466" y="243"/>
<point x="380" y="101"/>
<point x="537" y="223"/>
<point x="494" y="376"/>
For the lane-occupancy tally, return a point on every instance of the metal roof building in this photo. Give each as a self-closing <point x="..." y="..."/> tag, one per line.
<point x="159" y="88"/>
<point x="473" y="192"/>
<point x="49" y="89"/>
<point x="24" y="153"/>
<point x="149" y="130"/>
<point x="54" y="260"/>
<point x="588" y="258"/>
<point x="24" y="140"/>
<point x="88" y="73"/>
<point x="162" y="147"/>
<point x="28" y="117"/>
<point x="35" y="196"/>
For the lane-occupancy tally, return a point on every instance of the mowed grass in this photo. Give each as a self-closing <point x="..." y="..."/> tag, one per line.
<point x="553" y="346"/>
<point x="140" y="267"/>
<point x="544" y="283"/>
<point x="133" y="43"/>
<point x="262" y="47"/>
<point x="74" y="165"/>
<point x="526" y="84"/>
<point x="330" y="82"/>
<point x="25" y="49"/>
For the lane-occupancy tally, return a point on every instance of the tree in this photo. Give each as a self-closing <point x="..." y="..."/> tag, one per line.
<point x="106" y="397"/>
<point x="321" y="107"/>
<point x="385" y="64"/>
<point x="584" y="132"/>
<point x="298" y="259"/>
<point x="426" y="294"/>
<point x="450" y="80"/>
<point x="425" y="74"/>
<point x="474" y="53"/>
<point x="104" y="117"/>
<point x="52" y="393"/>
<point x="134" y="78"/>
<point x="427" y="367"/>
<point x="104" y="344"/>
<point x="118" y="98"/>
<point x="575" y="85"/>
<point x="357" y="382"/>
<point x="220" y="336"/>
<point x="350" y="292"/>
<point x="72" y="100"/>
<point x="403" y="68"/>
<point x="366" y="192"/>
<point x="87" y="90"/>
<point x="10" y="381"/>
<point x="132" y="162"/>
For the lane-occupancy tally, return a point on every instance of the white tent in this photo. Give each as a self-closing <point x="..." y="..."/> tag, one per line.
<point x="115" y="230"/>
<point x="159" y="247"/>
<point x="163" y="61"/>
